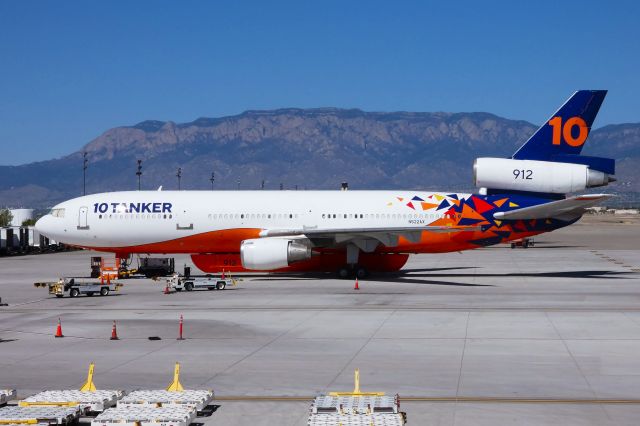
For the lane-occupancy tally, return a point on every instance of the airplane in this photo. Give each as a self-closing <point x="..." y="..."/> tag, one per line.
<point x="352" y="232"/>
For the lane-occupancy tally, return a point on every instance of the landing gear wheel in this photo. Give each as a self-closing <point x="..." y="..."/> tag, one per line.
<point x="361" y="272"/>
<point x="344" y="272"/>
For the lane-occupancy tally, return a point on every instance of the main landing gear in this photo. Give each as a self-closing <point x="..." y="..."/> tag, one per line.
<point x="352" y="269"/>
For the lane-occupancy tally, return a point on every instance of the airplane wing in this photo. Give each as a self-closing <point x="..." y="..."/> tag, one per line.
<point x="386" y="236"/>
<point x="567" y="208"/>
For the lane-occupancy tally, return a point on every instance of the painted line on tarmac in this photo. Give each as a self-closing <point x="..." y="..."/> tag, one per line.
<point x="444" y="399"/>
<point x="332" y="308"/>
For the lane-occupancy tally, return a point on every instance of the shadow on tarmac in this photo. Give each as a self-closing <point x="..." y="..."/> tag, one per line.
<point x="427" y="275"/>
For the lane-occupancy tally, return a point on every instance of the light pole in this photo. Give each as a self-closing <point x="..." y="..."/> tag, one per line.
<point x="212" y="179"/>
<point x="139" y="173"/>
<point x="84" y="173"/>
<point x="179" y="175"/>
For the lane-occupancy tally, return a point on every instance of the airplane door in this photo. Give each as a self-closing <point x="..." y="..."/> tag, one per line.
<point x="82" y="218"/>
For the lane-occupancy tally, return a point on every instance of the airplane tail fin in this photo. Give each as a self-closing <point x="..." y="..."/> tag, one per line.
<point x="566" y="131"/>
<point x="550" y="162"/>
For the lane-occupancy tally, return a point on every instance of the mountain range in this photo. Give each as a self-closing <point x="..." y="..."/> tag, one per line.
<point x="299" y="148"/>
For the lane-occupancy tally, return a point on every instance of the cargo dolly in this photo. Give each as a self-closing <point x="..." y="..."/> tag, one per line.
<point x="175" y="415"/>
<point x="87" y="399"/>
<point x="74" y="287"/>
<point x="173" y="406"/>
<point x="174" y="395"/>
<point x="356" y="408"/>
<point x="39" y="415"/>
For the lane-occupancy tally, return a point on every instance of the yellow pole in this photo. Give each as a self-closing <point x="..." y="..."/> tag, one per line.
<point x="89" y="386"/>
<point x="176" y="386"/>
<point x="356" y="381"/>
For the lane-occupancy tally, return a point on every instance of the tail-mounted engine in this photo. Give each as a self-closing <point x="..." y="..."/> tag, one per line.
<point x="536" y="176"/>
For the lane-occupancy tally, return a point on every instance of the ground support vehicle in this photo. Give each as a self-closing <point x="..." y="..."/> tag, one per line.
<point x="152" y="267"/>
<point x="523" y="243"/>
<point x="6" y="395"/>
<point x="189" y="283"/>
<point x="102" y="267"/>
<point x="76" y="286"/>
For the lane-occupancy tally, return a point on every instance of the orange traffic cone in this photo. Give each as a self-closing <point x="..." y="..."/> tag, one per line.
<point x="180" y="329"/>
<point x="166" y="289"/>
<point x="356" y="287"/>
<point x="114" y="332"/>
<point x="59" y="329"/>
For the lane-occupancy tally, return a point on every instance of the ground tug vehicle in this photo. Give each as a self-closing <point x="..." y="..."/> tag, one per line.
<point x="77" y="286"/>
<point x="190" y="282"/>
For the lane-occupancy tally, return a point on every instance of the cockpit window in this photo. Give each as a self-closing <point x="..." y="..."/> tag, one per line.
<point x="57" y="212"/>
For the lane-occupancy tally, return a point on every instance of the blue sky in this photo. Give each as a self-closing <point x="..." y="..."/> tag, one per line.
<point x="71" y="70"/>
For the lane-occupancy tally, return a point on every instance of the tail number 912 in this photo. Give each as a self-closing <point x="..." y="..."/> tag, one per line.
<point x="525" y="174"/>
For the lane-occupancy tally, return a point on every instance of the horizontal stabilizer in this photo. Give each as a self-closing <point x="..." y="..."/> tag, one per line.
<point x="567" y="208"/>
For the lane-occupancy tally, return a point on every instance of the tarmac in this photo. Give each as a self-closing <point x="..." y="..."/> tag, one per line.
<point x="545" y="335"/>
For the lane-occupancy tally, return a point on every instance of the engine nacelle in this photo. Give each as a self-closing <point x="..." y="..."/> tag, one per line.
<point x="265" y="254"/>
<point x="536" y="176"/>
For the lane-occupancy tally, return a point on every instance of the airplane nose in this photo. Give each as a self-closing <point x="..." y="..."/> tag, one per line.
<point x="43" y="225"/>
